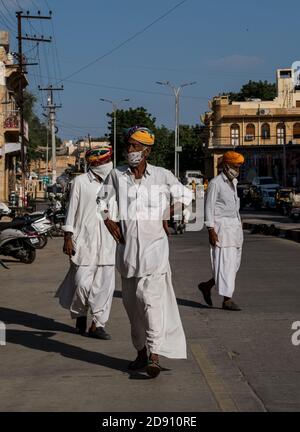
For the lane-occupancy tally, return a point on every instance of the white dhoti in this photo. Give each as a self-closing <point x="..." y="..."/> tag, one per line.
<point x="87" y="287"/>
<point x="152" y="309"/>
<point x="225" y="265"/>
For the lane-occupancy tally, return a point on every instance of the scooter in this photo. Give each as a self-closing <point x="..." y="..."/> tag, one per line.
<point x="36" y="226"/>
<point x="16" y="244"/>
<point x="4" y="210"/>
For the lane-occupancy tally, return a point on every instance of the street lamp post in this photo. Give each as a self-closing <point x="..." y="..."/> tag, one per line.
<point x="115" y="107"/>
<point x="176" y="91"/>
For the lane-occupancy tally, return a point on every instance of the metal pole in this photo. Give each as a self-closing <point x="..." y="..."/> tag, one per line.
<point x="115" y="107"/>
<point x="21" y="104"/>
<point x="176" y="93"/>
<point x="78" y="154"/>
<point x="176" y="131"/>
<point x="115" y="135"/>
<point x="178" y="138"/>
<point x="52" y="120"/>
<point x="47" y="149"/>
<point x="85" y="164"/>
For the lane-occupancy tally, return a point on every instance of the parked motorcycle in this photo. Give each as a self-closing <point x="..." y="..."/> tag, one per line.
<point x="37" y="226"/>
<point x="4" y="210"/>
<point x="16" y="244"/>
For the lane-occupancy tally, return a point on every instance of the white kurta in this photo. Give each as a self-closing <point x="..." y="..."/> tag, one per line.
<point x="93" y="243"/>
<point x="152" y="309"/>
<point x="88" y="287"/>
<point x="141" y="208"/>
<point x="143" y="260"/>
<point x="222" y="213"/>
<point x="90" y="281"/>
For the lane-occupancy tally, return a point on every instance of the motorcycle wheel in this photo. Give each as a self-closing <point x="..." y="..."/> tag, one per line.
<point x="43" y="240"/>
<point x="29" y="255"/>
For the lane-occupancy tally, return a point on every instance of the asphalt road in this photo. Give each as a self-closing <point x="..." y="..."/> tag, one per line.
<point x="237" y="361"/>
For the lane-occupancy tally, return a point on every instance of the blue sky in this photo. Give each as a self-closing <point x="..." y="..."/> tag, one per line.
<point x="218" y="44"/>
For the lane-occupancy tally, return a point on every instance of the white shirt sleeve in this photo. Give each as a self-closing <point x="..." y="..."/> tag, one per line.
<point x="72" y="208"/>
<point x="106" y="199"/>
<point x="210" y="202"/>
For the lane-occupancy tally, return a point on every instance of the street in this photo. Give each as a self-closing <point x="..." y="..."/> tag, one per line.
<point x="237" y="361"/>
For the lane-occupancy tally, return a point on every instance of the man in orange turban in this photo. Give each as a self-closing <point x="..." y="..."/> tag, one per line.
<point x="223" y="222"/>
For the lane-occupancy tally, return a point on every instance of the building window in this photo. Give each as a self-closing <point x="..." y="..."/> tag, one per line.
<point x="250" y="132"/>
<point x="265" y="131"/>
<point x="296" y="131"/>
<point x="280" y="133"/>
<point x="235" y="135"/>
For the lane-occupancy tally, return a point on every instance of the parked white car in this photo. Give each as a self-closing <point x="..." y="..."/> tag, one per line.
<point x="265" y="183"/>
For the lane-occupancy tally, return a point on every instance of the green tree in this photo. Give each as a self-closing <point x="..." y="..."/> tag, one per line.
<point x="191" y="139"/>
<point x="126" y="119"/>
<point x="37" y="129"/>
<point x="255" y="90"/>
<point x="163" y="151"/>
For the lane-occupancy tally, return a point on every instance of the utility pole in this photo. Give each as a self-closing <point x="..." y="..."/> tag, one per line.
<point x="51" y="107"/>
<point x="115" y="107"/>
<point x="21" y="71"/>
<point x="177" y="149"/>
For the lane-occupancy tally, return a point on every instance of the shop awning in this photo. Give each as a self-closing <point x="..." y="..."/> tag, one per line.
<point x="10" y="148"/>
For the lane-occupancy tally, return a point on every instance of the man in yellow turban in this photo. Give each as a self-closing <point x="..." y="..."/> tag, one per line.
<point x="143" y="192"/>
<point x="223" y="222"/>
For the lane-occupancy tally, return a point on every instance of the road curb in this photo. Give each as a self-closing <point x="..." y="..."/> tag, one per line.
<point x="288" y="234"/>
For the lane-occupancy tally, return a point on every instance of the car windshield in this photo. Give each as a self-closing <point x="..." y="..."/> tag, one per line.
<point x="267" y="180"/>
<point x="272" y="193"/>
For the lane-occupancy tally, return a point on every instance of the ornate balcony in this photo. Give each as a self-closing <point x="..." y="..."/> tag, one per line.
<point x="11" y="122"/>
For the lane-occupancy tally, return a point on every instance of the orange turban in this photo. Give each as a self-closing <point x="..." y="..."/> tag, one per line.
<point x="232" y="157"/>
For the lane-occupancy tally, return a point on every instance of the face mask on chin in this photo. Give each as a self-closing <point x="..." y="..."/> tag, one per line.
<point x="231" y="173"/>
<point x="134" y="158"/>
<point x="102" y="170"/>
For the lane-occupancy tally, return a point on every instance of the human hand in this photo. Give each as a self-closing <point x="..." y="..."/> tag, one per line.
<point x="213" y="237"/>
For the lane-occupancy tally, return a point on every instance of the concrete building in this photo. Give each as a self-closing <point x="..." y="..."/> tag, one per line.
<point x="266" y="132"/>
<point x="10" y="147"/>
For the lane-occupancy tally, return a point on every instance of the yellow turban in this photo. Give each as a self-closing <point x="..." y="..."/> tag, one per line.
<point x="141" y="134"/>
<point x="232" y="157"/>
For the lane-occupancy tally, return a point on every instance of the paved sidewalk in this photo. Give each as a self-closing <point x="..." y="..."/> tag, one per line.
<point x="236" y="362"/>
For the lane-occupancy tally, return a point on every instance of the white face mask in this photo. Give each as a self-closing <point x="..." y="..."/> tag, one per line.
<point x="102" y="170"/>
<point x="134" y="158"/>
<point x="230" y="172"/>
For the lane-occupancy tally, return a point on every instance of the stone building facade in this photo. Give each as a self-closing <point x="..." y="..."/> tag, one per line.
<point x="266" y="132"/>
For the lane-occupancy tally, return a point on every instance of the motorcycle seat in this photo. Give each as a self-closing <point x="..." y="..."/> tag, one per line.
<point x="11" y="225"/>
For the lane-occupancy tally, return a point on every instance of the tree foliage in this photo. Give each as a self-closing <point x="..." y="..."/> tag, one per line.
<point x="255" y="90"/>
<point x="37" y="129"/>
<point x="191" y="139"/>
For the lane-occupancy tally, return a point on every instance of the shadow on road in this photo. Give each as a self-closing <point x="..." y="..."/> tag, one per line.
<point x="27" y="319"/>
<point x="40" y="339"/>
<point x="180" y="302"/>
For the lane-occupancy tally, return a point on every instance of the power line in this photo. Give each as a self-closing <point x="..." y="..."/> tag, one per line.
<point x="84" y="83"/>
<point x="138" y="33"/>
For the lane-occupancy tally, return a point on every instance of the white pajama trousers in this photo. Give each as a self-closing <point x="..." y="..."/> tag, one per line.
<point x="153" y="313"/>
<point x="225" y="265"/>
<point x="88" y="287"/>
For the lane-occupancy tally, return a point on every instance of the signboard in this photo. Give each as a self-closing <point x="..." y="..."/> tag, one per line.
<point x="46" y="179"/>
